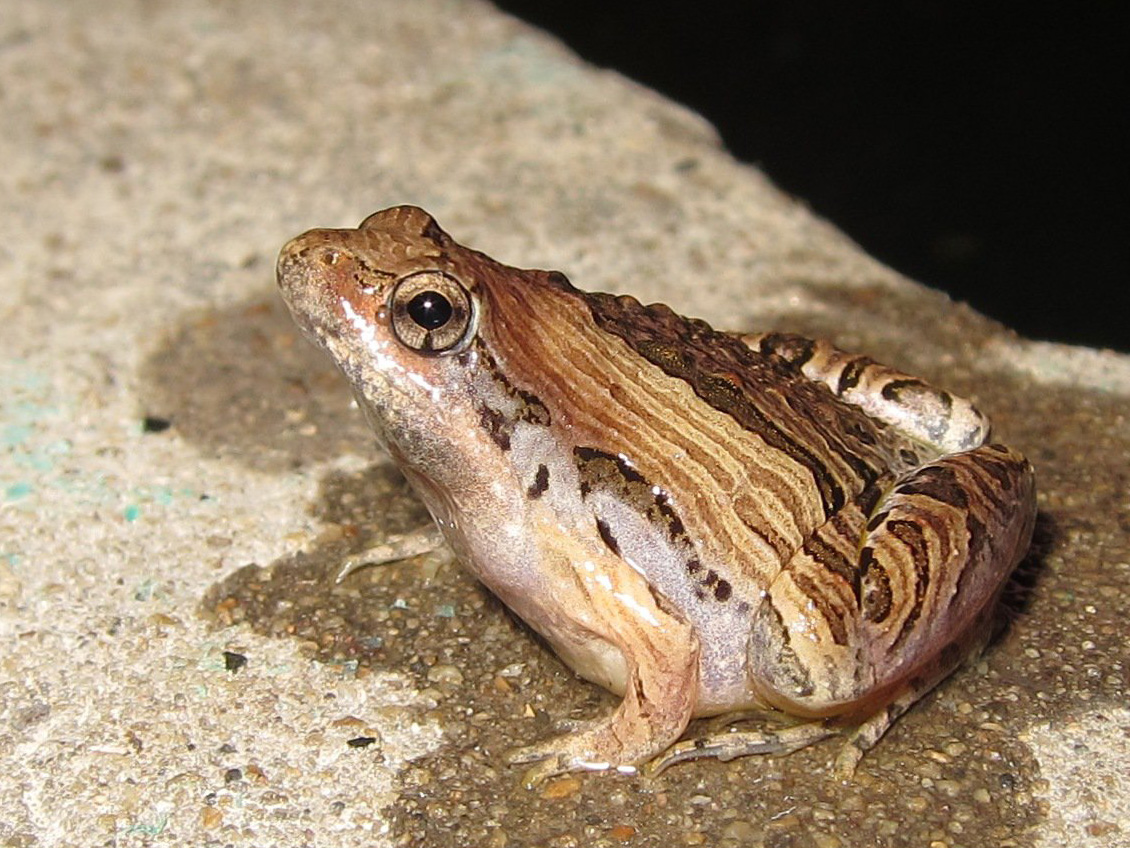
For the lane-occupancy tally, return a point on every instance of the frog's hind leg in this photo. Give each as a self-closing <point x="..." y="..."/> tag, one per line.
<point x="932" y="560"/>
<point x="938" y="551"/>
<point x="864" y="736"/>
<point x="874" y="610"/>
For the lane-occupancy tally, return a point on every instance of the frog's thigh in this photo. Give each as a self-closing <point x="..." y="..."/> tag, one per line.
<point x="871" y="636"/>
<point x="933" y="555"/>
<point x="939" y="549"/>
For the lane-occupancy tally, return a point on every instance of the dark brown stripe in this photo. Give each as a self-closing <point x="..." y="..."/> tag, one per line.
<point x="1000" y="469"/>
<point x="852" y="373"/>
<point x="432" y="232"/>
<point x="909" y="533"/>
<point x="371" y="273"/>
<point x="869" y="498"/>
<point x="540" y="484"/>
<point x="496" y="425"/>
<point x="601" y="471"/>
<point x="876" y="594"/>
<point x="607" y="537"/>
<point x="835" y="562"/>
<point x="827" y="610"/>
<point x="768" y="534"/>
<point x="863" y="435"/>
<point x="501" y="425"/>
<point x="530" y="406"/>
<point x="976" y="540"/>
<point x="794" y="349"/>
<point x="938" y="482"/>
<point x="713" y="364"/>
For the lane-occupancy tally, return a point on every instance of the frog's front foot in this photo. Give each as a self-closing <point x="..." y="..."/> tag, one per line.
<point x="394" y="548"/>
<point x="558" y="757"/>
<point x="547" y="764"/>
<point x="595" y="747"/>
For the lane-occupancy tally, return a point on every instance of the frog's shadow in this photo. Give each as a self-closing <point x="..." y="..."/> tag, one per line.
<point x="1021" y="588"/>
<point x="242" y="384"/>
<point x="348" y="622"/>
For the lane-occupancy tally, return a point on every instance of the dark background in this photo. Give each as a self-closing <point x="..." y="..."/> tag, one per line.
<point x="981" y="149"/>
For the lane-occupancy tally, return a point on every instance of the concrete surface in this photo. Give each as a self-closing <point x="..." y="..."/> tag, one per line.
<point x="177" y="665"/>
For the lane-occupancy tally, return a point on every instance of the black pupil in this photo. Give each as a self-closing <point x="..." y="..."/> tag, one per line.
<point x="431" y="310"/>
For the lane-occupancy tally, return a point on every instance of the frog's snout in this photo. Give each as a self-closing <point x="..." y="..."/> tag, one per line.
<point x="305" y="259"/>
<point x="313" y="273"/>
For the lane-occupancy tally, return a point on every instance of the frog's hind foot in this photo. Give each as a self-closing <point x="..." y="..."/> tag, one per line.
<point x="731" y="744"/>
<point x="864" y="737"/>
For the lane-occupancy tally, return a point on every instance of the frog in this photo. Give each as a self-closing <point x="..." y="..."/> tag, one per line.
<point x="707" y="524"/>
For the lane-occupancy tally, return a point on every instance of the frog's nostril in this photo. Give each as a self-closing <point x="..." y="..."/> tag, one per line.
<point x="330" y="257"/>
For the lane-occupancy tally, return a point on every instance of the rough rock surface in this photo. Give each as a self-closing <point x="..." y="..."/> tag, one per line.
<point x="180" y="475"/>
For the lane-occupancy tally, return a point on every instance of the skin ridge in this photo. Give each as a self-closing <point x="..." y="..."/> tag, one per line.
<point x="731" y="378"/>
<point x="559" y="353"/>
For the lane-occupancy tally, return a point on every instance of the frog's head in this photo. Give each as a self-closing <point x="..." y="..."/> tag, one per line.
<point x="413" y="320"/>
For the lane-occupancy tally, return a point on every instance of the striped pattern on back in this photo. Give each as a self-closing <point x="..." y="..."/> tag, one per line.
<point x="768" y="457"/>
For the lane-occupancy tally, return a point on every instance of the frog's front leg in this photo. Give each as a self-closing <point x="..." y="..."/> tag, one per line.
<point x="394" y="548"/>
<point x="874" y="610"/>
<point x="603" y="603"/>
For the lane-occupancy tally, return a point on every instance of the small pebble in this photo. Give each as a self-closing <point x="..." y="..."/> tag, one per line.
<point x="211" y="818"/>
<point x="562" y="787"/>
<point x="623" y="832"/>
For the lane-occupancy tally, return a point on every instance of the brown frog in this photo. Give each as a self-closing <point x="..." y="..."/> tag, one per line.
<point x="702" y="522"/>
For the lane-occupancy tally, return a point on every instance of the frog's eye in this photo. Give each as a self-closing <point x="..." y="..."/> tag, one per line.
<point x="431" y="312"/>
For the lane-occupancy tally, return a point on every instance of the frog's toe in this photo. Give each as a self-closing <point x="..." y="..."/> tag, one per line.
<point x="560" y="756"/>
<point x="539" y="773"/>
<point x="549" y="761"/>
<point x="689" y="750"/>
<point x="731" y="744"/>
<point x="562" y="745"/>
<point x="530" y="754"/>
<point x="846" y="761"/>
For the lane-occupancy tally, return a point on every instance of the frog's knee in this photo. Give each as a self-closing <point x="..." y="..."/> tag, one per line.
<point x="800" y="669"/>
<point x="939" y="549"/>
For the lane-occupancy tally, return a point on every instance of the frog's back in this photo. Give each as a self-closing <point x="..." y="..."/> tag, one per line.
<point x="750" y="453"/>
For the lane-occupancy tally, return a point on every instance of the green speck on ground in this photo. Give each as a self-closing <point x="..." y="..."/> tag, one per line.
<point x="16" y="491"/>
